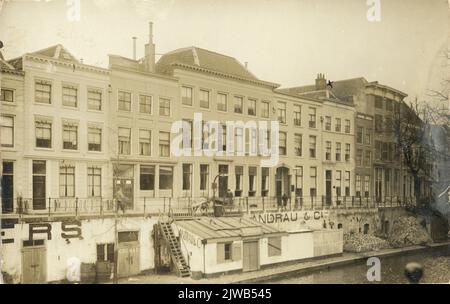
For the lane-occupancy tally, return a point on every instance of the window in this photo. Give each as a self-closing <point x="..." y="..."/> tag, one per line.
<point x="223" y="137"/>
<point x="337" y="126"/>
<point x="389" y="126"/>
<point x="147" y="178"/>
<point x="43" y="134"/>
<point x="67" y="181"/>
<point x="367" y="158"/>
<point x="227" y="251"/>
<point x="43" y="92"/>
<point x="186" y="96"/>
<point x="359" y="135"/>
<point x="366" y="186"/>
<point x="204" y="177"/>
<point x="264" y="181"/>
<point x="338" y="183"/>
<point x="222" y="102"/>
<point x="378" y="150"/>
<point x="312" y="117"/>
<point x="384" y="151"/>
<point x="378" y="102"/>
<point x="7" y="131"/>
<point x="94" y="139"/>
<point x="298" y="181"/>
<point x="238" y="104"/>
<point x="7" y="95"/>
<point x="328" y="150"/>
<point x="298" y="144"/>
<point x="297" y="115"/>
<point x="124" y="141"/>
<point x="359" y="156"/>
<point x="145" y="104"/>
<point x="389" y="105"/>
<point x="358" y="185"/>
<point x="368" y="137"/>
<point x="124" y="101"/>
<point x="94" y="181"/>
<point x="312" y="146"/>
<point x="252" y="181"/>
<point x="145" y="142"/>
<point x="274" y="246"/>
<point x="251" y="109"/>
<point x="165" y="178"/>
<point x="128" y="236"/>
<point x="347" y="152"/>
<point x="164" y="107"/>
<point x="238" y="172"/>
<point x="347" y="126"/>
<point x="282" y="112"/>
<point x="164" y="144"/>
<point x="70" y="136"/>
<point x="282" y="143"/>
<point x="94" y="99"/>
<point x="69" y="97"/>
<point x="265" y="106"/>
<point x="313" y="181"/>
<point x="105" y="252"/>
<point x="204" y="99"/>
<point x="338" y="151"/>
<point x="378" y="123"/>
<point x="347" y="183"/>
<point x="328" y="123"/>
<point x="187" y="176"/>
<point x="239" y="145"/>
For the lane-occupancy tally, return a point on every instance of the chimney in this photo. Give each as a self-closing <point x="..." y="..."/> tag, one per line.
<point x="150" y="51"/>
<point x="321" y="82"/>
<point x="134" y="48"/>
<point x="246" y="65"/>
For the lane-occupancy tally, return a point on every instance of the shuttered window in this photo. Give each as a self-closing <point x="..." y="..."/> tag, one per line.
<point x="274" y="246"/>
<point x="227" y="252"/>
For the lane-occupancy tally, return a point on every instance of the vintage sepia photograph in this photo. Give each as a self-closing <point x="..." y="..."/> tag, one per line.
<point x="213" y="142"/>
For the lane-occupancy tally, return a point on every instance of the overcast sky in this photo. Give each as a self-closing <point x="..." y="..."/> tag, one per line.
<point x="284" y="41"/>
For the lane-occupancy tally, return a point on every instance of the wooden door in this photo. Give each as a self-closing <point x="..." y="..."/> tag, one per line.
<point x="128" y="261"/>
<point x="33" y="265"/>
<point x="250" y="256"/>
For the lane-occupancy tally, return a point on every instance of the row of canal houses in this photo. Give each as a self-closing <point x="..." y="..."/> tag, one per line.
<point x="74" y="135"/>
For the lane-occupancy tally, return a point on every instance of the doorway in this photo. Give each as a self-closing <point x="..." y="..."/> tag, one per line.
<point x="8" y="187"/>
<point x="128" y="254"/>
<point x="282" y="182"/>
<point x="250" y="256"/>
<point x="34" y="262"/>
<point x="223" y="180"/>
<point x="328" y="186"/>
<point x="39" y="184"/>
<point x="124" y="181"/>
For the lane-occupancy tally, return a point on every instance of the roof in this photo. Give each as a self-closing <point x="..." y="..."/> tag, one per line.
<point x="8" y="67"/>
<point x="202" y="60"/>
<point x="221" y="228"/>
<point x="56" y="52"/>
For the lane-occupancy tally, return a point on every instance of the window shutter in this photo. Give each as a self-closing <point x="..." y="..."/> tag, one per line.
<point x="220" y="253"/>
<point x="236" y="251"/>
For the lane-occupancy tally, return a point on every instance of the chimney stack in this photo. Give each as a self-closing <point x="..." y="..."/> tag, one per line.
<point x="321" y="82"/>
<point x="134" y="48"/>
<point x="150" y="51"/>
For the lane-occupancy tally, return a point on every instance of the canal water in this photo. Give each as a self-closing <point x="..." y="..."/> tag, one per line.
<point x="436" y="265"/>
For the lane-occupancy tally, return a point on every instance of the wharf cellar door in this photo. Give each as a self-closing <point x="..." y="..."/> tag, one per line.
<point x="34" y="262"/>
<point x="128" y="254"/>
<point x="250" y="256"/>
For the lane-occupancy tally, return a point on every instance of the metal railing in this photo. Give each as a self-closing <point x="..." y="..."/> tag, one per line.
<point x="196" y="206"/>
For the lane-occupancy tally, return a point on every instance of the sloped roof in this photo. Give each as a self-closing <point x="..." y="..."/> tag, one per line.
<point x="58" y="52"/>
<point x="6" y="66"/>
<point x="226" y="227"/>
<point x="194" y="56"/>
